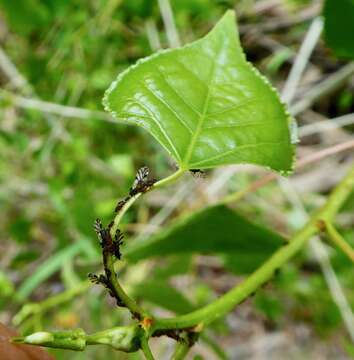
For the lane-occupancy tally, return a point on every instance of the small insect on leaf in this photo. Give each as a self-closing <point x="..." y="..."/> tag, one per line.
<point x="197" y="173"/>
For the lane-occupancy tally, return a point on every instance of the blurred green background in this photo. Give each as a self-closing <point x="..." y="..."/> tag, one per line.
<point x="59" y="171"/>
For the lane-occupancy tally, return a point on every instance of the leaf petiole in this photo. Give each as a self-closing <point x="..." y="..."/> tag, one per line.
<point x="337" y="239"/>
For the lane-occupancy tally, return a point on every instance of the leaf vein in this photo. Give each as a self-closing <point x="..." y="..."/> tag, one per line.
<point x="168" y="107"/>
<point x="202" y="117"/>
<point x="234" y="106"/>
<point x="176" y="92"/>
<point x="233" y="125"/>
<point x="163" y="131"/>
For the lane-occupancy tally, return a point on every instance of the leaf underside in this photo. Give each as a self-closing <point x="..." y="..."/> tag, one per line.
<point x="164" y="295"/>
<point x="205" y="104"/>
<point x="214" y="230"/>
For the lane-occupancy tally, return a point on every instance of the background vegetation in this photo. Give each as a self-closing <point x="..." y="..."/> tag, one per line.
<point x="63" y="166"/>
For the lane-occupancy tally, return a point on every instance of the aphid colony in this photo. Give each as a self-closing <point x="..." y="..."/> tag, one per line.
<point x="112" y="246"/>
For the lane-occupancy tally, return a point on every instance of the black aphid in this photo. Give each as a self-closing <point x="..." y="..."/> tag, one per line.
<point x="120" y="204"/>
<point x="118" y="242"/>
<point x="197" y="173"/>
<point x="102" y="233"/>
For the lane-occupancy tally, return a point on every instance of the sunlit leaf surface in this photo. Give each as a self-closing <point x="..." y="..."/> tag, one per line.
<point x="205" y="104"/>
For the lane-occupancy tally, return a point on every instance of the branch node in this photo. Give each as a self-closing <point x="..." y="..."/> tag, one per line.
<point x="321" y="225"/>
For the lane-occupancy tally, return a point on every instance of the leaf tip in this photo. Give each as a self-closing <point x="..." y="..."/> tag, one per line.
<point x="228" y="19"/>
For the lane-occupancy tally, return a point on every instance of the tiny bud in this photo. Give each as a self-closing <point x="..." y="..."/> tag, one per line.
<point x="73" y="340"/>
<point x="39" y="338"/>
<point x="147" y="322"/>
<point x="125" y="338"/>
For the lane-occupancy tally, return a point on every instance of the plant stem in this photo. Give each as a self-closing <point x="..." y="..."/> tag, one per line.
<point x="108" y="259"/>
<point x="338" y="240"/>
<point x="121" y="213"/>
<point x="214" y="346"/>
<point x="169" y="179"/>
<point x="131" y="201"/>
<point x="227" y="302"/>
<point x="186" y="340"/>
<point x="118" y="291"/>
<point x="181" y="351"/>
<point x="146" y="349"/>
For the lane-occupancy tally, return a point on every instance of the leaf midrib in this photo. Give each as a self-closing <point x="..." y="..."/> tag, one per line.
<point x="201" y="118"/>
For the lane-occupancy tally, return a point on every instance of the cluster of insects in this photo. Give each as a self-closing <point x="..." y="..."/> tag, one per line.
<point x="112" y="246"/>
<point x="109" y="247"/>
<point x="104" y="280"/>
<point x="141" y="184"/>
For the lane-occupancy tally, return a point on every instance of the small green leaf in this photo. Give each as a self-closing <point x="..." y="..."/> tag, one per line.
<point x="172" y="266"/>
<point x="246" y="263"/>
<point x="205" y="104"/>
<point x="339" y="27"/>
<point x="213" y="230"/>
<point x="164" y="295"/>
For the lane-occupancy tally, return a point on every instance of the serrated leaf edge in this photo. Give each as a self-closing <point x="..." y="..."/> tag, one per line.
<point x="290" y="120"/>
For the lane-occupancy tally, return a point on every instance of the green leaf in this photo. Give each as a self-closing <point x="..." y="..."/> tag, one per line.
<point x="172" y="266"/>
<point x="205" y="104"/>
<point x="215" y="230"/>
<point x="164" y="295"/>
<point x="339" y="27"/>
<point x="246" y="263"/>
